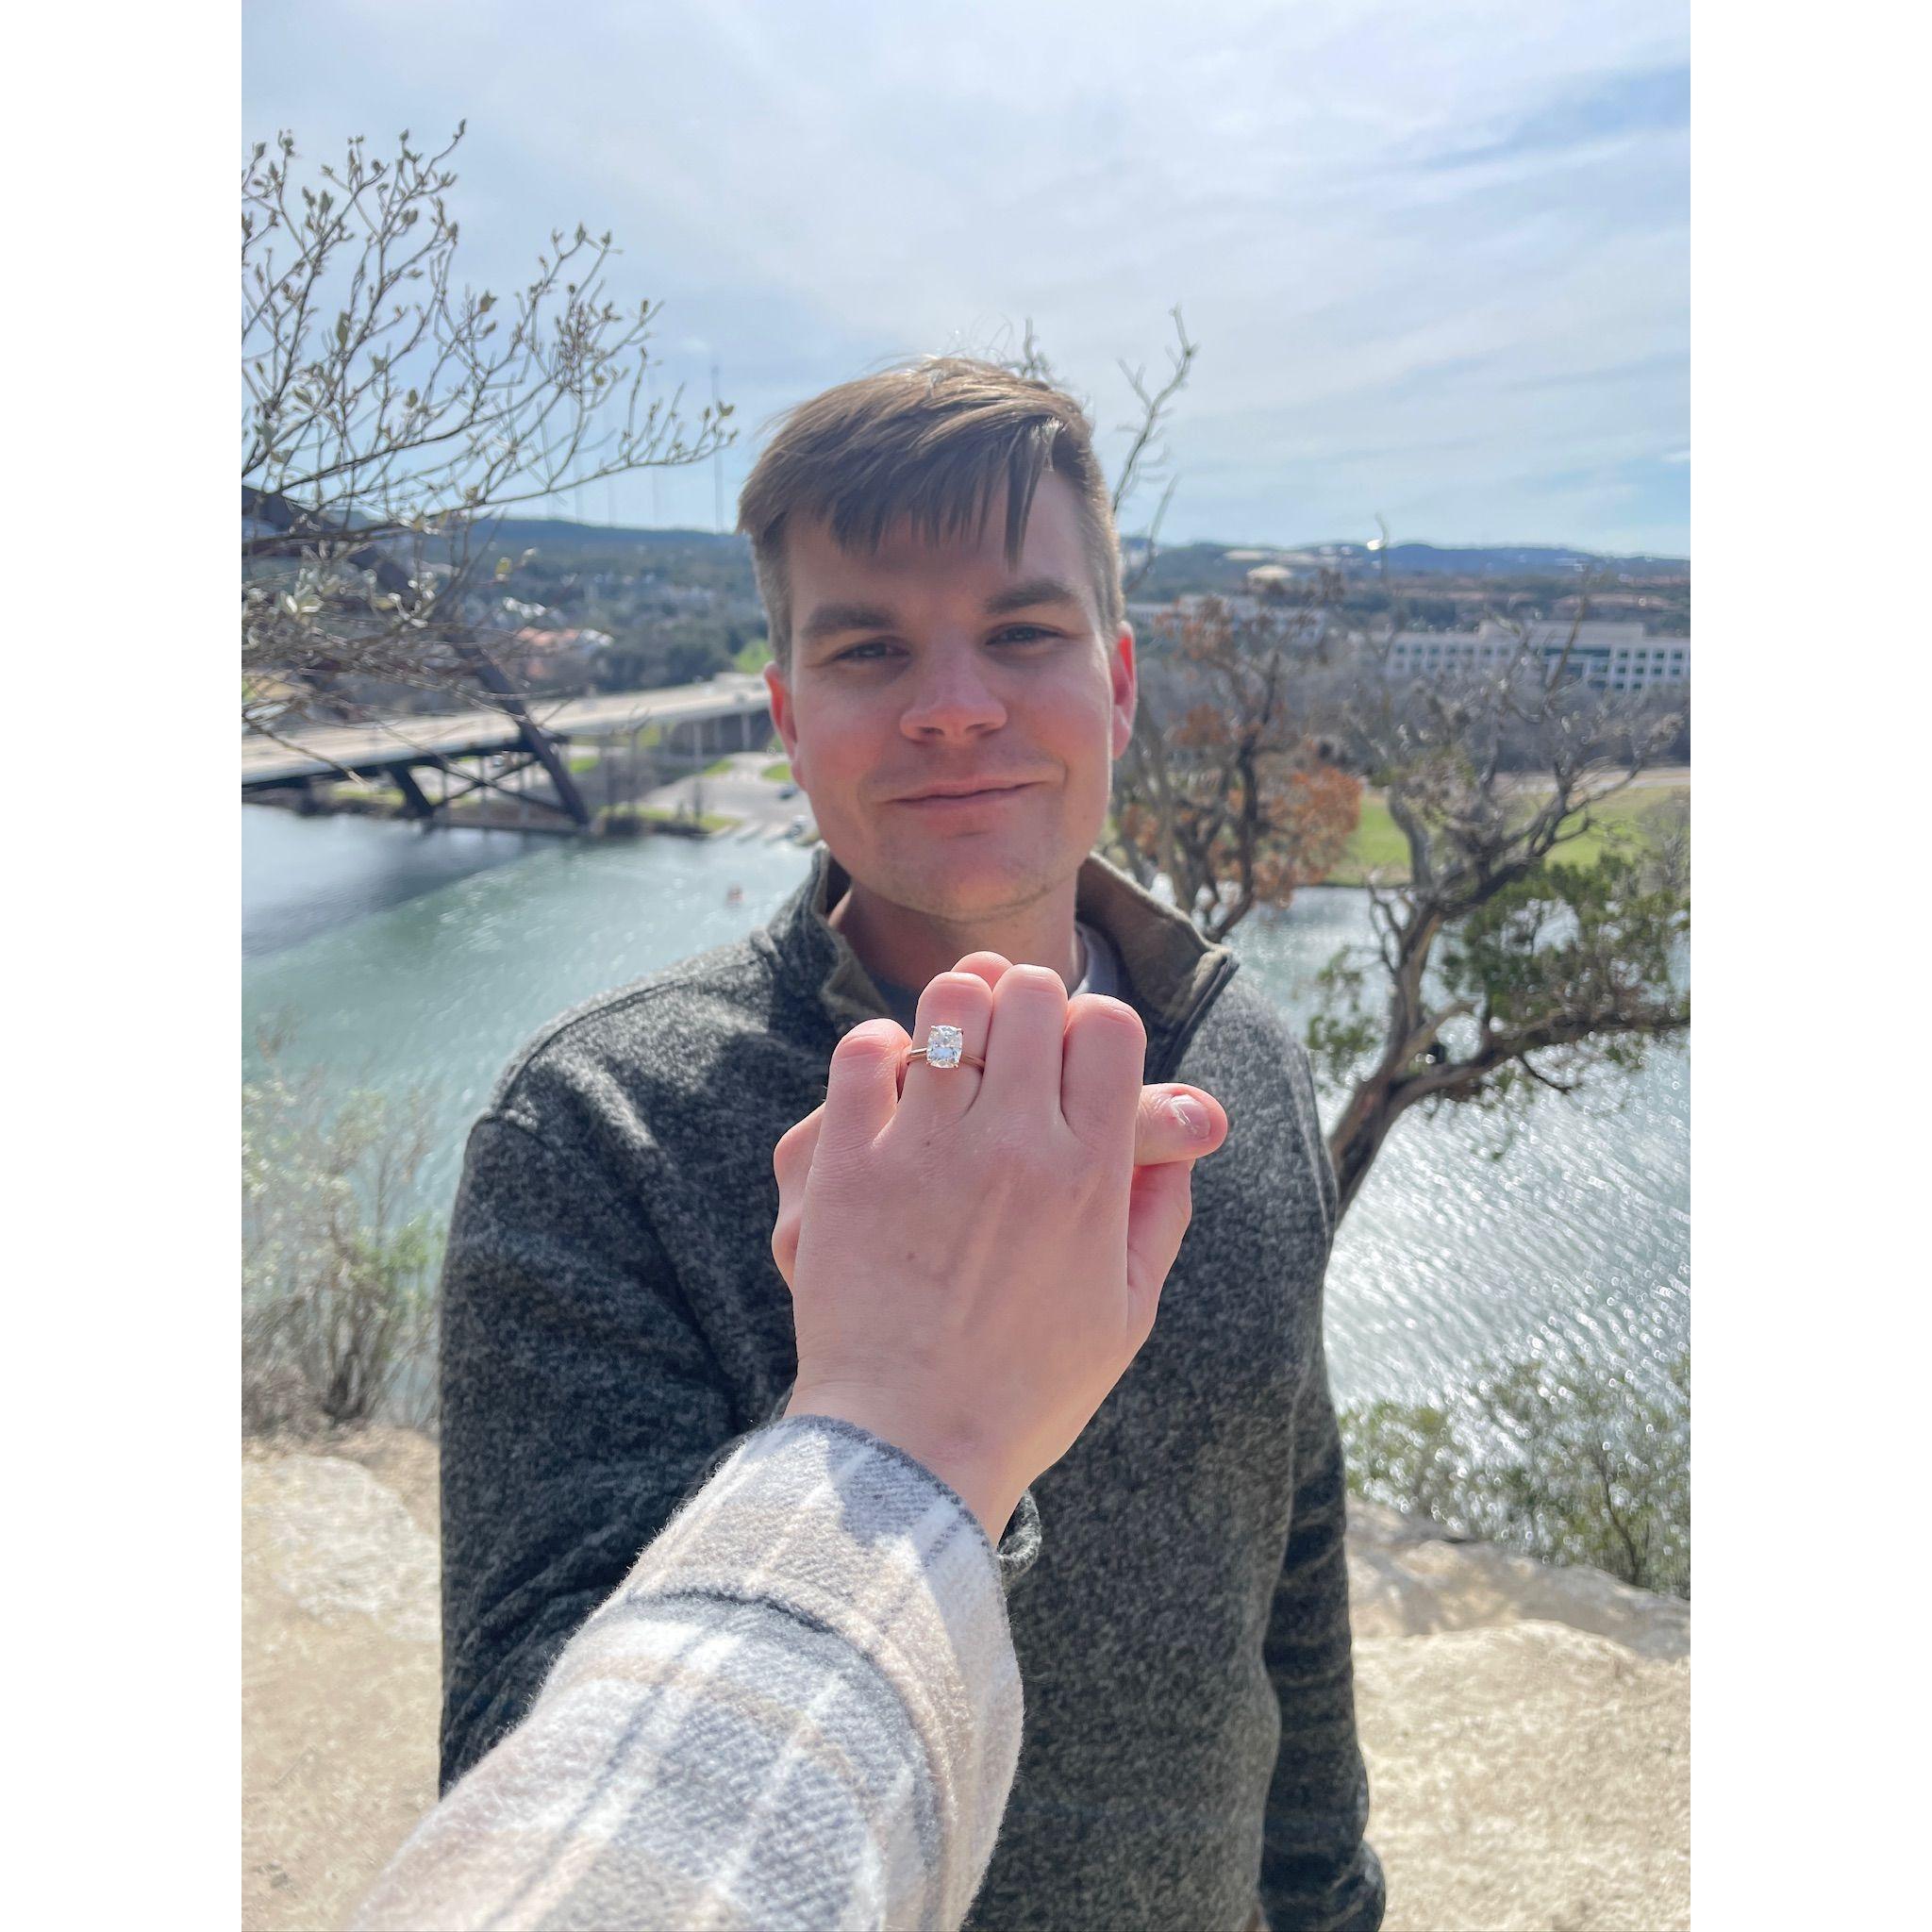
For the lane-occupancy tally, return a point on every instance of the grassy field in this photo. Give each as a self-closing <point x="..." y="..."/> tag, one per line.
<point x="619" y="816"/>
<point x="778" y="773"/>
<point x="1379" y="846"/>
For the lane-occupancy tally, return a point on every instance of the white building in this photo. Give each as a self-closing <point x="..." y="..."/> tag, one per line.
<point x="1603" y="656"/>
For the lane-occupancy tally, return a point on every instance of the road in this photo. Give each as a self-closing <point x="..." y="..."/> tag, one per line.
<point x="742" y="793"/>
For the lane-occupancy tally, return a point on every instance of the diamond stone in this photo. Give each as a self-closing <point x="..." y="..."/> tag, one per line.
<point x="943" y="1046"/>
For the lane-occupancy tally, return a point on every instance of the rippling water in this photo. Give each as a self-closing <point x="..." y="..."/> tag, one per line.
<point x="404" y="957"/>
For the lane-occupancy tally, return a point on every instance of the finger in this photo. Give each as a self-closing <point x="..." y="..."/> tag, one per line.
<point x="1023" y="1048"/>
<point x="863" y="1087"/>
<point x="792" y="1157"/>
<point x="1102" y="1061"/>
<point x="791" y="1163"/>
<point x="989" y="966"/>
<point x="928" y="1094"/>
<point x="1159" y="1210"/>
<point x="1173" y="1123"/>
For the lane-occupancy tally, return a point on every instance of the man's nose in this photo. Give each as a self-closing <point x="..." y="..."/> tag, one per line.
<point x="953" y="699"/>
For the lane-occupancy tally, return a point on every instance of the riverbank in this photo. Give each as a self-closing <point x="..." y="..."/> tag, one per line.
<point x="1526" y="1729"/>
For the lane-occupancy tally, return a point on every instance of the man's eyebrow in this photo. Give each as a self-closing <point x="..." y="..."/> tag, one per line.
<point x="829" y="620"/>
<point x="1032" y="592"/>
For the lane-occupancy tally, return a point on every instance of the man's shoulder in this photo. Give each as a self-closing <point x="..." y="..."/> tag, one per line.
<point x="661" y="1026"/>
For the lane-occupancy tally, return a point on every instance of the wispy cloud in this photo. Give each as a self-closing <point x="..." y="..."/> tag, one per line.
<point x="1619" y="107"/>
<point x="1434" y="253"/>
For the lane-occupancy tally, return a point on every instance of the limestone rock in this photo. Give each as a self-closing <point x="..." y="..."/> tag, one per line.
<point x="342" y="1545"/>
<point x="1407" y="1578"/>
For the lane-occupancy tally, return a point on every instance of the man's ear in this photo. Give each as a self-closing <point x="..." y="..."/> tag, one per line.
<point x="780" y="693"/>
<point x="1124" y="679"/>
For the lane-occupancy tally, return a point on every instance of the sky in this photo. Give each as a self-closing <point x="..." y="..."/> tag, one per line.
<point x="1434" y="253"/>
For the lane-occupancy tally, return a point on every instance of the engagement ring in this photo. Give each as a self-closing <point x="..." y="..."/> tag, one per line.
<point x="946" y="1046"/>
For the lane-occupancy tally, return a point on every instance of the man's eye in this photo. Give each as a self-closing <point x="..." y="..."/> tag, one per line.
<point x="1012" y="634"/>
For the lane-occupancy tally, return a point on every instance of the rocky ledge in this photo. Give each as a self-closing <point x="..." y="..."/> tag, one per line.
<point x="1526" y="1729"/>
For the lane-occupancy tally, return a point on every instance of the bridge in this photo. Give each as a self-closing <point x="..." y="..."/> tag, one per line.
<point x="494" y="749"/>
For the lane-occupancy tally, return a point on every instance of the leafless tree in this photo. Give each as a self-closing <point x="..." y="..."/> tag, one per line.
<point x="390" y="415"/>
<point x="1146" y="456"/>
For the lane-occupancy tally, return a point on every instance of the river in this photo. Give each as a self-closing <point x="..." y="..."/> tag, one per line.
<point x="404" y="958"/>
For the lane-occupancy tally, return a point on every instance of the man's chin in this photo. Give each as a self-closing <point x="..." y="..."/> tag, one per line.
<point x="969" y="896"/>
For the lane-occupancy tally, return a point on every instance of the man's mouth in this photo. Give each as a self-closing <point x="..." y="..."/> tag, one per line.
<point x="968" y="791"/>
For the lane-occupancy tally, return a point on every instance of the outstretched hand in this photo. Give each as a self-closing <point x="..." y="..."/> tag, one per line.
<point x="976" y="1257"/>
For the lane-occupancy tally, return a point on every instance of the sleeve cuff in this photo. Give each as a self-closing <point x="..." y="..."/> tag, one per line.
<point x="1018" y="1547"/>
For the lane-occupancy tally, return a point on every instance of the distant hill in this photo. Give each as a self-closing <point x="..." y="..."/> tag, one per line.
<point x="553" y="536"/>
<point x="722" y="563"/>
<point x="561" y="541"/>
<point x="695" y="558"/>
<point x="1528" y="559"/>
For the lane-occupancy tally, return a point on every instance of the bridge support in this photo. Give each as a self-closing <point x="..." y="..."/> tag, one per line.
<point x="416" y="804"/>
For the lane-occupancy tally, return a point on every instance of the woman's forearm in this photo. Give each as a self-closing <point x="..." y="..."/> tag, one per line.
<point x="802" y="1708"/>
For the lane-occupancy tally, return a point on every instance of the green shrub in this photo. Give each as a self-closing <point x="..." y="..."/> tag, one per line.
<point x="1569" y="1461"/>
<point x="338" y="1275"/>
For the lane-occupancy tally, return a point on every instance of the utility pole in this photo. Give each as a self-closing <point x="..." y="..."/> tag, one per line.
<point x="717" y="466"/>
<point x="657" y="469"/>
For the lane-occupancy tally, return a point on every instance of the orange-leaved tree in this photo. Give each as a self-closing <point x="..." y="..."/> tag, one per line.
<point x="1224" y="789"/>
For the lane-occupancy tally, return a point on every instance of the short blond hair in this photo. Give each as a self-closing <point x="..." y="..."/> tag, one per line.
<point x="936" y="440"/>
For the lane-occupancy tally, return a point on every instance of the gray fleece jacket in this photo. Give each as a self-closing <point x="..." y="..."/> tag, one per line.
<point x="613" y="1321"/>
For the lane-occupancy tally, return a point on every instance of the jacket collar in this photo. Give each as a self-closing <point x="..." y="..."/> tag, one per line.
<point x="1173" y="973"/>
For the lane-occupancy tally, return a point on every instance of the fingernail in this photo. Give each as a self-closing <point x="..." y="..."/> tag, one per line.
<point x="1193" y="1117"/>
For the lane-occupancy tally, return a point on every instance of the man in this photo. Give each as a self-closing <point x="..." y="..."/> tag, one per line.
<point x="834" y="1580"/>
<point x="953" y="679"/>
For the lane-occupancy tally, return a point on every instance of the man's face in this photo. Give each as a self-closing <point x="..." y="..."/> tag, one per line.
<point x="921" y="669"/>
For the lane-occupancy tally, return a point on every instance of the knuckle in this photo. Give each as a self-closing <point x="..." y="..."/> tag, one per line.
<point x="1031" y="982"/>
<point x="869" y="1041"/>
<point x="1106" y="1018"/>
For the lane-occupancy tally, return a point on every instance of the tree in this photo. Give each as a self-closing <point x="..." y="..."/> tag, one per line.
<point x="1506" y="967"/>
<point x="1222" y="789"/>
<point x="1504" y="970"/>
<point x="1230" y="798"/>
<point x="389" y="414"/>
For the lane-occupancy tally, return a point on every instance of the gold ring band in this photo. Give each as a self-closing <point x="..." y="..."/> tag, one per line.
<point x="965" y="1059"/>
